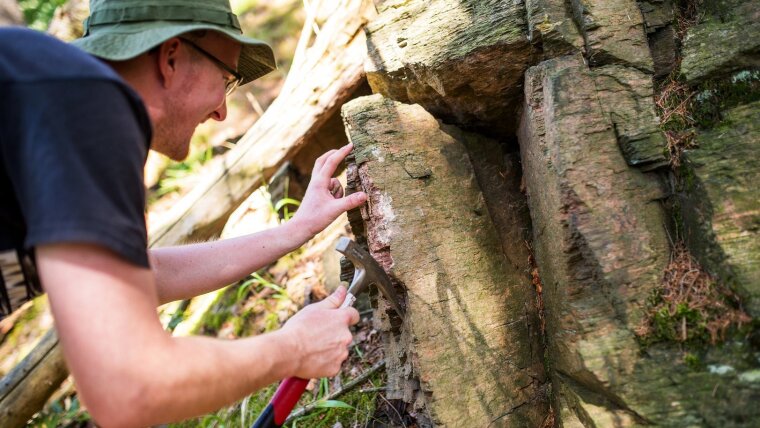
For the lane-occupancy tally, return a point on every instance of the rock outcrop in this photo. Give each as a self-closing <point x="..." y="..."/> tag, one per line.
<point x="606" y="210"/>
<point x="462" y="60"/>
<point x="721" y="201"/>
<point x="468" y="351"/>
<point x="726" y="40"/>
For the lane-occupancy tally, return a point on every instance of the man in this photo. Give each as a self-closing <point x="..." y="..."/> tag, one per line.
<point x="74" y="132"/>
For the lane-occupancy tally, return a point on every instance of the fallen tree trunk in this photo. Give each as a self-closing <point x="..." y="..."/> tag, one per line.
<point x="27" y="387"/>
<point x="334" y="67"/>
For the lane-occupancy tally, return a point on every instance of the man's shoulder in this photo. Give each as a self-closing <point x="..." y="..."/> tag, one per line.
<point x="29" y="56"/>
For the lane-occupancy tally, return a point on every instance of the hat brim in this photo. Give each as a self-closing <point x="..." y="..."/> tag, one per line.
<point x="125" y="41"/>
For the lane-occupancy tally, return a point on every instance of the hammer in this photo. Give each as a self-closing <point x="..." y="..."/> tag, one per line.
<point x="366" y="271"/>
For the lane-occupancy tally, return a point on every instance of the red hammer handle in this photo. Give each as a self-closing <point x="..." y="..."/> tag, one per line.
<point x="282" y="403"/>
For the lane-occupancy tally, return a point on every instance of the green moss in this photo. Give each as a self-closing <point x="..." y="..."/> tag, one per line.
<point x="693" y="362"/>
<point x="718" y="95"/>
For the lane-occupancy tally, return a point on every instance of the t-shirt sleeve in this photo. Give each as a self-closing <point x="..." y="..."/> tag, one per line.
<point x="77" y="166"/>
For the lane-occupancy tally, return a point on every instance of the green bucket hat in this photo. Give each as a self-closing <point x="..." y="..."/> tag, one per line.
<point x="118" y="30"/>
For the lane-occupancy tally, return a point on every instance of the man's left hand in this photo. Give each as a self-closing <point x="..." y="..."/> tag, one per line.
<point x="324" y="200"/>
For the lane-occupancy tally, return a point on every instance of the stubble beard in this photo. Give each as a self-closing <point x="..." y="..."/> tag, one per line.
<point x="172" y="136"/>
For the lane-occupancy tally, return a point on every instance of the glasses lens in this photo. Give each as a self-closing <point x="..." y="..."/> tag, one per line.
<point x="231" y="85"/>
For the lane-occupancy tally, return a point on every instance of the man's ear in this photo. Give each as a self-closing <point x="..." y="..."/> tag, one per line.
<point x="168" y="55"/>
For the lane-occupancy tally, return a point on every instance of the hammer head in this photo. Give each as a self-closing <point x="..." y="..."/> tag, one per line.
<point x="367" y="271"/>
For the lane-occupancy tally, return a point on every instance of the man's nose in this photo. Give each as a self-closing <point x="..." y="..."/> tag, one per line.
<point x="220" y="113"/>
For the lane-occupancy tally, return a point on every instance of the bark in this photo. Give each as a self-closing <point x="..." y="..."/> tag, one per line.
<point x="467" y="352"/>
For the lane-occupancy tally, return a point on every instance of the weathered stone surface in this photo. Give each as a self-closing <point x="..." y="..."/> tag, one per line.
<point x="627" y="97"/>
<point x="721" y="201"/>
<point x="598" y="236"/>
<point x="550" y="23"/>
<point x="658" y="21"/>
<point x="614" y="33"/>
<point x="601" y="247"/>
<point x="467" y="353"/>
<point x="462" y="60"/>
<point x="727" y="40"/>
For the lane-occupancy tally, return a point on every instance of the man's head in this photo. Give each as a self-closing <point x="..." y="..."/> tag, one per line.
<point x="180" y="55"/>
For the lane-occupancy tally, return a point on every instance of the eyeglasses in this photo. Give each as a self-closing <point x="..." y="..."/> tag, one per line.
<point x="231" y="82"/>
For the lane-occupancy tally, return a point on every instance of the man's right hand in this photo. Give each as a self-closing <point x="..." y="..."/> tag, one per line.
<point x="320" y="332"/>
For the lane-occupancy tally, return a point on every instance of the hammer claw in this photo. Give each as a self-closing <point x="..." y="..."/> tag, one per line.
<point x="367" y="271"/>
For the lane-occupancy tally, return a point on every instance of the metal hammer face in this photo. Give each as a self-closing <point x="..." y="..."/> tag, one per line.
<point x="367" y="271"/>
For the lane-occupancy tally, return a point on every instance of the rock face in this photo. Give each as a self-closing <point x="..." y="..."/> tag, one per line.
<point x="721" y="201"/>
<point x="468" y="351"/>
<point x="603" y="222"/>
<point x="552" y="27"/>
<point x="462" y="60"/>
<point x="614" y="32"/>
<point x="598" y="236"/>
<point x="726" y="40"/>
<point x="601" y="247"/>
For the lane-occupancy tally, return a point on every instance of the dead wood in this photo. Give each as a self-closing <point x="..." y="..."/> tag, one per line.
<point x="27" y="387"/>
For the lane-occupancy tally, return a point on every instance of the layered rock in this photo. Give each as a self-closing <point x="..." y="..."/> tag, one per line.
<point x="726" y="40"/>
<point x="601" y="247"/>
<point x="626" y="96"/>
<point x="598" y="235"/>
<point x="613" y="31"/>
<point x="552" y="26"/>
<point x="658" y="20"/>
<point x="468" y="351"/>
<point x="721" y="201"/>
<point x="462" y="60"/>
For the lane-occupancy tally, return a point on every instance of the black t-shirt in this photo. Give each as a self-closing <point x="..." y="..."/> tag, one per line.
<point x="73" y="142"/>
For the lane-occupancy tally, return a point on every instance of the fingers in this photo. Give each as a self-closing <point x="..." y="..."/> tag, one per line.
<point x="353" y="200"/>
<point x="336" y="189"/>
<point x="320" y="162"/>
<point x="334" y="300"/>
<point x="352" y="315"/>
<point x="326" y="164"/>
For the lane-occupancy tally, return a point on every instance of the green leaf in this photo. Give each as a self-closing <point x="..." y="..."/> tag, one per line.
<point x="332" y="404"/>
<point x="286" y="201"/>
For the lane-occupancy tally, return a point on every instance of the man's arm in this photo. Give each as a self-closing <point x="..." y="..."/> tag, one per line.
<point x="189" y="270"/>
<point x="130" y="372"/>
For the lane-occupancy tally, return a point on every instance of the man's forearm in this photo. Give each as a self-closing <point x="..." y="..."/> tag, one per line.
<point x="185" y="271"/>
<point x="199" y="375"/>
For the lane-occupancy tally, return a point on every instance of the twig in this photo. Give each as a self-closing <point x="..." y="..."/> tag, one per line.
<point x="347" y="387"/>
